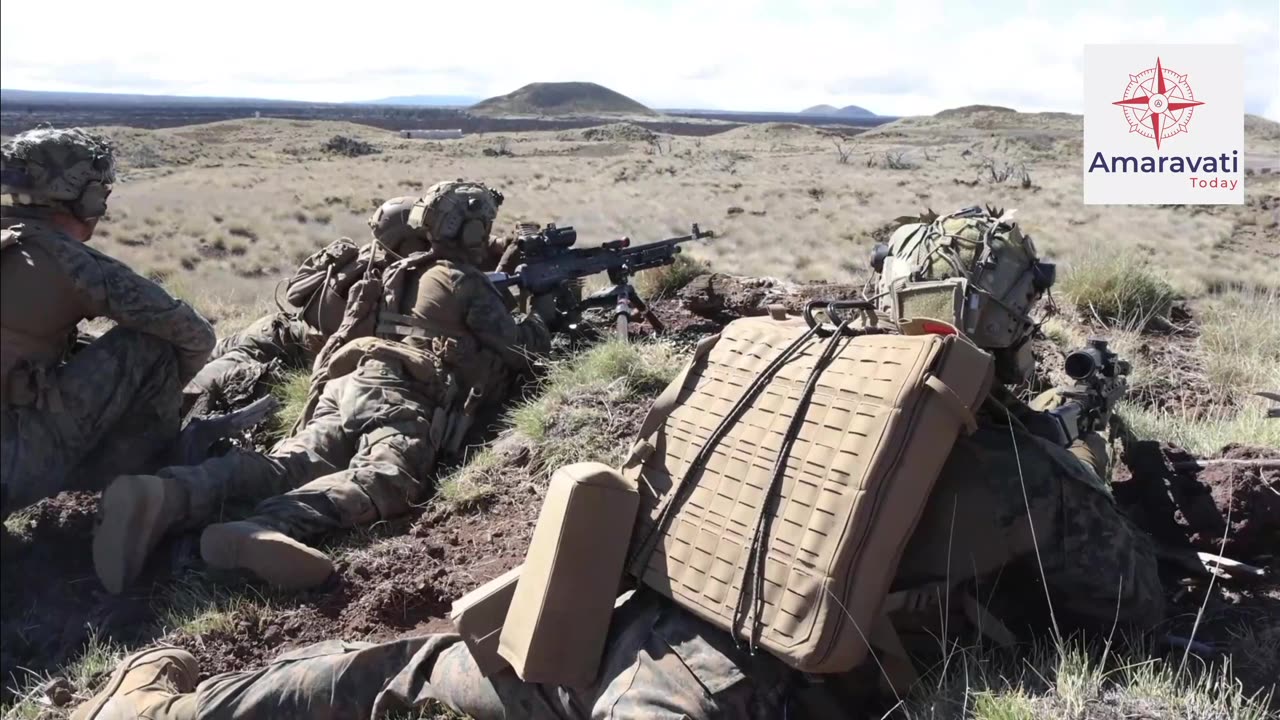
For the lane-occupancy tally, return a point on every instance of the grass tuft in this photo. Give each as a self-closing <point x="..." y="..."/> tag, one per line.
<point x="1118" y="288"/>
<point x="99" y="657"/>
<point x="1074" y="679"/>
<point x="196" y="605"/>
<point x="470" y="485"/>
<point x="1240" y="336"/>
<point x="576" y="416"/>
<point x="666" y="281"/>
<point x="291" y="390"/>
<point x="1200" y="433"/>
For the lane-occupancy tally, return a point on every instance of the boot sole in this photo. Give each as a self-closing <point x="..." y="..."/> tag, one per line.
<point x="126" y="514"/>
<point x="99" y="702"/>
<point x="272" y="556"/>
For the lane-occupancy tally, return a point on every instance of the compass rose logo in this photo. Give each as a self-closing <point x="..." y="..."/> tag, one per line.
<point x="1158" y="103"/>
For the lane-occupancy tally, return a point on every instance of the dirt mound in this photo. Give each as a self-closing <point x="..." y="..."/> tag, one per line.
<point x="613" y="132"/>
<point x="1185" y="504"/>
<point x="560" y="98"/>
<point x="774" y="132"/>
<point x="720" y="297"/>
<point x="51" y="604"/>
<point x="965" y="111"/>
<point x="137" y="149"/>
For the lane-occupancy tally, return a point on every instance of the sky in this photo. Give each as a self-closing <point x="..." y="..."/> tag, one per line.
<point x="893" y="58"/>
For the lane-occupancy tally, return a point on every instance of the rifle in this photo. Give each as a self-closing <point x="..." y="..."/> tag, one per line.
<point x="1101" y="381"/>
<point x="552" y="264"/>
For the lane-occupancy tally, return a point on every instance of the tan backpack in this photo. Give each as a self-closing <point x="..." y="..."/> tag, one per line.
<point x="782" y="473"/>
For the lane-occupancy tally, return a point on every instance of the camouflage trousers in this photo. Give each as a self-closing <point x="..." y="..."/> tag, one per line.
<point x="245" y="357"/>
<point x="363" y="455"/>
<point x="109" y="410"/>
<point x="1006" y="498"/>
<point x="659" y="662"/>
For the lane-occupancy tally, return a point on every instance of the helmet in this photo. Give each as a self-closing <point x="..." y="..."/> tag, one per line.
<point x="390" y="222"/>
<point x="975" y="269"/>
<point x="456" y="216"/>
<point x="71" y="170"/>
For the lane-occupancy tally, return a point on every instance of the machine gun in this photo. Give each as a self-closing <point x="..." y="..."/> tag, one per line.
<point x="1101" y="381"/>
<point x="551" y="264"/>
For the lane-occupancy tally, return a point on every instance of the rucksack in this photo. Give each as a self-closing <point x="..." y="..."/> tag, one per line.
<point x="319" y="287"/>
<point x="782" y="472"/>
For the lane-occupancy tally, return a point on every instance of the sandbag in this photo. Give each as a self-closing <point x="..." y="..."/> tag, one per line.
<point x="797" y="554"/>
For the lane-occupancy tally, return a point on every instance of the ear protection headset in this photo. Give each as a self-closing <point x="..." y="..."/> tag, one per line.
<point x="92" y="202"/>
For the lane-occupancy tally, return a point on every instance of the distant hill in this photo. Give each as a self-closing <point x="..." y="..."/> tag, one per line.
<point x="965" y="110"/>
<point x="561" y="98"/>
<point x="848" y="111"/>
<point x="426" y="100"/>
<point x="41" y="97"/>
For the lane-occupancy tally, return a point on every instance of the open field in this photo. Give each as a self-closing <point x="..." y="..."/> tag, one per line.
<point x="221" y="212"/>
<point x="230" y="206"/>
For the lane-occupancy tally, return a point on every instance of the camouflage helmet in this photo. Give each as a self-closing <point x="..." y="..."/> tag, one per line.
<point x="390" y="222"/>
<point x="70" y="170"/>
<point x="974" y="268"/>
<point x="457" y="215"/>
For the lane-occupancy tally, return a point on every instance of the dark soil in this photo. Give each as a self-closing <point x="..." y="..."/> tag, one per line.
<point x="402" y="584"/>
<point x="1190" y="507"/>
<point x="51" y="603"/>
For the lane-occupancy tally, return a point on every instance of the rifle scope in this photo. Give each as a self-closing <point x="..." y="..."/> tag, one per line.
<point x="1083" y="363"/>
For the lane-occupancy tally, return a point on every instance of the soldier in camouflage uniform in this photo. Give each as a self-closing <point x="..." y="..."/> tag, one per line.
<point x="398" y="389"/>
<point x="318" y="291"/>
<point x="1003" y="491"/>
<point x="76" y="417"/>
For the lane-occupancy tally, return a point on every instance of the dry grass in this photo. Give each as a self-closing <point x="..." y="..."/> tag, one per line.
<point x="235" y="205"/>
<point x="578" y="413"/>
<point x="1117" y="288"/>
<point x="1081" y="681"/>
<point x="291" y="390"/>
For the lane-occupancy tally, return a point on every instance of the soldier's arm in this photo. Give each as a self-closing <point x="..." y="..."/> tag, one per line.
<point x="108" y="288"/>
<point x="488" y="319"/>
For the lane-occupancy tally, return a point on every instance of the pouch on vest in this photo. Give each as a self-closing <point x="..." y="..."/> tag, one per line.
<point x="556" y="627"/>
<point x="479" y="615"/>
<point x="779" y="492"/>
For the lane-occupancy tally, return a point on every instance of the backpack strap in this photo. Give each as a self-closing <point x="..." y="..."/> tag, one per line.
<point x="898" y="670"/>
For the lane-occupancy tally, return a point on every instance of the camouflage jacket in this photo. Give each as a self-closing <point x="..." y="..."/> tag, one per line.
<point x="49" y="282"/>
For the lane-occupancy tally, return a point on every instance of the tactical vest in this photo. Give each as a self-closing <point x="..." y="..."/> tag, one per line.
<point x="433" y="352"/>
<point x="783" y="471"/>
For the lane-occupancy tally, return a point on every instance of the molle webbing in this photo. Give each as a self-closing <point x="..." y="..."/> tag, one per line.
<point x="779" y="493"/>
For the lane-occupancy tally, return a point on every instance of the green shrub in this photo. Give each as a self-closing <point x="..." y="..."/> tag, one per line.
<point x="1117" y="288"/>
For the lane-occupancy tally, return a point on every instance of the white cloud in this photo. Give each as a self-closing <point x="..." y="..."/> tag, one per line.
<point x="905" y="58"/>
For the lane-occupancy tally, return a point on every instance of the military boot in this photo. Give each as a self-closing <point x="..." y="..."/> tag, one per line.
<point x="268" y="554"/>
<point x="136" y="511"/>
<point x="140" y="682"/>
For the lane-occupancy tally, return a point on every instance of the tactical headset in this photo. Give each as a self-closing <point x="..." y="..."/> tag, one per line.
<point x="469" y="229"/>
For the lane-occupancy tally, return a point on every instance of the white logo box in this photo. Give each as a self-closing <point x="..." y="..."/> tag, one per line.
<point x="1200" y="117"/>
